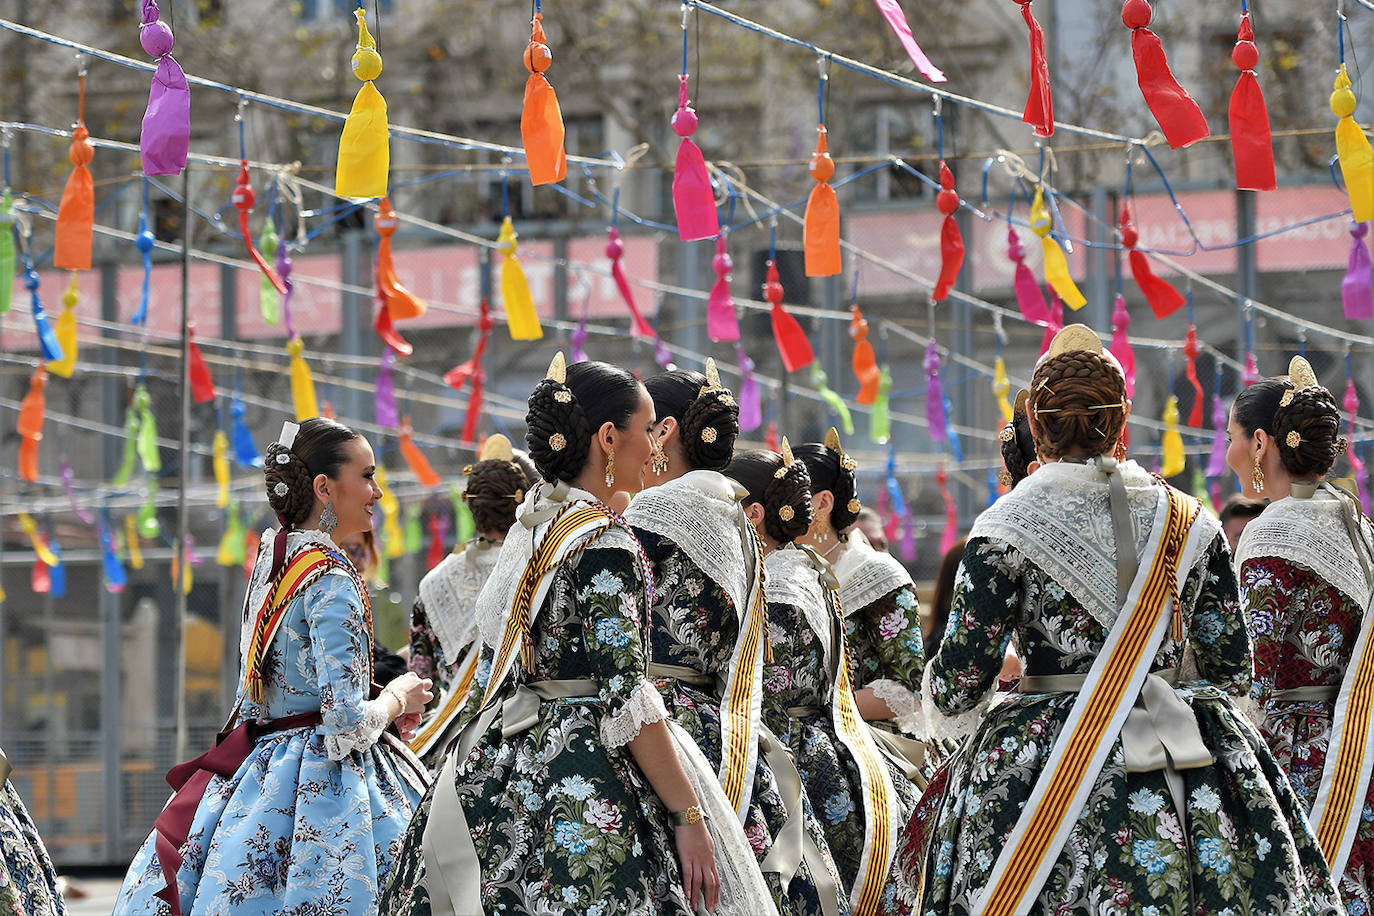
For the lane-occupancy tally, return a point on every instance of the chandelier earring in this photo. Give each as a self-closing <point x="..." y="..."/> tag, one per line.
<point x="610" y="466"/>
<point x="658" y="462"/>
<point x="329" y="519"/>
<point x="1119" y="453"/>
<point x="1257" y="477"/>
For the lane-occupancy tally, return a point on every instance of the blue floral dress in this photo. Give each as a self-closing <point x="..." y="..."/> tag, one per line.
<point x="312" y="821"/>
<point x="28" y="885"/>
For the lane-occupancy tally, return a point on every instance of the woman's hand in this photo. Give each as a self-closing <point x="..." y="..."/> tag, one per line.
<point x="411" y="691"/>
<point x="408" y="724"/>
<point x="697" y="854"/>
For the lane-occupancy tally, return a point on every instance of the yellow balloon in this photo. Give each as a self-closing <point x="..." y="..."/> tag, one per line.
<point x="66" y="332"/>
<point x="521" y="317"/>
<point x="302" y="384"/>
<point x="1173" y="461"/>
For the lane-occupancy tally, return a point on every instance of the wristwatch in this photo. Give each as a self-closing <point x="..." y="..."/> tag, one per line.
<point x="692" y="815"/>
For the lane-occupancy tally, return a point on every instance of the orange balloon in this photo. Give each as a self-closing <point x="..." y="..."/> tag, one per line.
<point x="76" y="211"/>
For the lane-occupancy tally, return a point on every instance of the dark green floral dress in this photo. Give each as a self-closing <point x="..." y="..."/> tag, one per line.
<point x="1245" y="846"/>
<point x="28" y="885"/>
<point x="562" y="819"/>
<point x="695" y="625"/>
<point x="426" y="658"/>
<point x="799" y="678"/>
<point x="885" y="642"/>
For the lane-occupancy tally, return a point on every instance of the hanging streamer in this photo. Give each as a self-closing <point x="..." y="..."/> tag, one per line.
<point x="131" y="542"/>
<point x="1216" y="461"/>
<point x="1121" y="342"/>
<point x="1251" y="145"/>
<point x="892" y="12"/>
<point x="821" y="223"/>
<point x="8" y="263"/>
<point x="202" y="383"/>
<point x="1056" y="265"/>
<point x="31" y="411"/>
<point x="68" y="487"/>
<point x="791" y="339"/>
<point x="721" y="321"/>
<point x="515" y="289"/>
<point x="243" y="199"/>
<point x="864" y="363"/>
<point x="230" y="551"/>
<point x="387" y="331"/>
<point x="364" y="146"/>
<point x="465" y="527"/>
<point x="1178" y="115"/>
<point x="541" y="120"/>
<point x="1164" y="299"/>
<point x="47" y="338"/>
<point x="399" y="301"/>
<point x="1351" y="403"/>
<point x="219" y="451"/>
<point x="1357" y="294"/>
<point x="1190" y="352"/>
<point x="148" y="451"/>
<point x="437" y="551"/>
<point x="821" y="383"/>
<point x="1353" y="150"/>
<point x="246" y="453"/>
<point x="1173" y="460"/>
<point x="58" y="573"/>
<point x="458" y="376"/>
<point x="419" y="464"/>
<point x="302" y="385"/>
<point x="951" y="239"/>
<point x="750" y="404"/>
<point x="393" y="540"/>
<point x="130" y="460"/>
<point x="30" y="529"/>
<point x="76" y="210"/>
<point x="935" y="396"/>
<point x="166" y="135"/>
<point x="283" y="267"/>
<point x="384" y="400"/>
<point x="414" y="534"/>
<point x="694" y="200"/>
<point x="615" y="250"/>
<point x="880" y="420"/>
<point x="1039" y="112"/>
<point x="950" y="535"/>
<point x="269" y="300"/>
<point x="1029" y="297"/>
<point x="66" y="332"/>
<point x="1055" y="324"/>
<point x="1001" y="387"/>
<point x="144" y="241"/>
<point x="115" y="576"/>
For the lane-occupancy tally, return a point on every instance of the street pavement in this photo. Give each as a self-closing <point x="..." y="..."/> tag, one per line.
<point x="100" y="900"/>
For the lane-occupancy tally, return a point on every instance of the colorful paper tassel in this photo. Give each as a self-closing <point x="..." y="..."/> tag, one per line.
<point x="386" y="330"/>
<point x="821" y="383"/>
<point x="1357" y="295"/>
<point x="1216" y="460"/>
<point x="399" y="301"/>
<point x="202" y="383"/>
<point x="48" y="344"/>
<point x="1173" y="461"/>
<point x="1039" y="111"/>
<point x="393" y="539"/>
<point x="521" y="317"/>
<point x="76" y="210"/>
<point x="415" y="459"/>
<point x="880" y="420"/>
<point x="1251" y="145"/>
<point x="951" y="239"/>
<point x="459" y="375"/>
<point x="541" y="120"/>
<point x="615" y="250"/>
<point x="31" y="411"/>
<point x="793" y="346"/>
<point x="414" y="534"/>
<point x="694" y="200"/>
<point x="1191" y="349"/>
<point x="230" y="551"/>
<point x="8" y="262"/>
<point x="282" y="264"/>
<point x="935" y="396"/>
<point x="244" y="198"/>
<point x="302" y="384"/>
<point x="269" y="300"/>
<point x="1353" y="150"/>
<point x="246" y="452"/>
<point x="165" y="137"/>
<point x="1121" y="342"/>
<point x="821" y="225"/>
<point x="364" y="147"/>
<point x="131" y="543"/>
<point x="892" y="12"/>
<point x="1351" y="403"/>
<point x="1001" y="387"/>
<point x="950" y="535"/>
<point x="1029" y="296"/>
<point x="1056" y="265"/>
<point x="1178" y="115"/>
<point x="1164" y="299"/>
<point x="750" y="404"/>
<point x="384" y="399"/>
<point x="721" y="321"/>
<point x="66" y="332"/>
<point x="864" y="362"/>
<point x="219" y="451"/>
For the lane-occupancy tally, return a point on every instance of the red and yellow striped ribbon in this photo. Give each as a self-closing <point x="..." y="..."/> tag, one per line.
<point x="1343" y="782"/>
<point x="452" y="704"/>
<point x="300" y="573"/>
<point x="740" y="742"/>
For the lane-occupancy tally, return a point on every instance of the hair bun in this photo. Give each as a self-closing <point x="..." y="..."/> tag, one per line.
<point x="710" y="425"/>
<point x="787" y="503"/>
<point x="1307" y="431"/>
<point x="558" y="434"/>
<point x="290" y="485"/>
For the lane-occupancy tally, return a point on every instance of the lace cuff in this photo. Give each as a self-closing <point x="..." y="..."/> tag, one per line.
<point x="644" y="706"/>
<point x="906" y="709"/>
<point x="376" y="717"/>
<point x="957" y="727"/>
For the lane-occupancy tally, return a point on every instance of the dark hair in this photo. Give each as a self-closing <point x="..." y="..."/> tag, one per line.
<point x="318" y="449"/>
<point x="493" y="490"/>
<point x="1238" y="506"/>
<point x="1078" y="399"/>
<point x="595" y="393"/>
<point x="828" y="472"/>
<point x="944" y="595"/>
<point x="788" y="495"/>
<point x="1018" y="449"/>
<point x="1311" y="413"/>
<point x="708" y="421"/>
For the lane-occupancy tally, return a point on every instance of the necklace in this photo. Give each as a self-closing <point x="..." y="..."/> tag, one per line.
<point x="833" y="548"/>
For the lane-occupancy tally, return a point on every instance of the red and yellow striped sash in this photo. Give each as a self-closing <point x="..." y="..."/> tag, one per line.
<point x="1078" y="753"/>
<point x="566" y="532"/>
<point x="743" y="696"/>
<point x="296" y="575"/>
<point x="452" y="705"/>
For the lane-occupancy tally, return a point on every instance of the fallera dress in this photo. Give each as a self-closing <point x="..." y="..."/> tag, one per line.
<point x="803" y="685"/>
<point x="696" y="538"/>
<point x="28" y="884"/>
<point x="311" y="823"/>
<point x="1040" y="569"/>
<point x="1304" y="593"/>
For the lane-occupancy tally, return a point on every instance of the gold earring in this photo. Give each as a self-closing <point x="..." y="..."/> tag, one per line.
<point x="658" y="462"/>
<point x="1257" y="477"/>
<point x="1119" y="453"/>
<point x="610" y="466"/>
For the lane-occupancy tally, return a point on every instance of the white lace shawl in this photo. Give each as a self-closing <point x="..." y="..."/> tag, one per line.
<point x="1060" y="519"/>
<point x="700" y="513"/>
<point x="449" y="592"/>
<point x="866" y="574"/>
<point x="262" y="570"/>
<point x="1312" y="533"/>
<point x="791" y="578"/>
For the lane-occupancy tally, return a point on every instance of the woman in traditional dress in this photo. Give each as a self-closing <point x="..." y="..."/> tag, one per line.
<point x="566" y="794"/>
<point x="300" y="810"/>
<point x="1304" y="567"/>
<point x="1121" y="779"/>
<point x="861" y="797"/>
<point x="882" y="616"/>
<point x="28" y="884"/>
<point x="708" y="638"/>
<point x="445" y="642"/>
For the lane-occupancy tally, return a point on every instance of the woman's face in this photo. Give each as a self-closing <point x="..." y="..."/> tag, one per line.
<point x="1240" y="456"/>
<point x="354" y="490"/>
<point x="633" y="445"/>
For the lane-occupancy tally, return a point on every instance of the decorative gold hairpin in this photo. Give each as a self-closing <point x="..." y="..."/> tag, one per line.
<point x="1294" y="438"/>
<point x="787" y="513"/>
<point x="832" y="442"/>
<point x="788" y="459"/>
<point x="1074" y="337"/>
<point x="496" y="448"/>
<point x="712" y="377"/>
<point x="1018" y="410"/>
<point x="1006" y="434"/>
<point x="558" y="442"/>
<point x="558" y="369"/>
<point x="1300" y="373"/>
<point x="708" y="435"/>
<point x="854" y="505"/>
<point x="1287" y="398"/>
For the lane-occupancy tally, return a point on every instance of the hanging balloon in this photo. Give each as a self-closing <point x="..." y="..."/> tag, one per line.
<point x="144" y="241"/>
<point x="230" y="550"/>
<point x="1190" y="352"/>
<point x="243" y="199"/>
<point x="76" y="210"/>
<point x="836" y="403"/>
<point x="364" y="146"/>
<point x="282" y="265"/>
<point x="1055" y="324"/>
<point x="68" y="487"/>
<point x="149" y="453"/>
<point x="521" y="317"/>
<point x="399" y="301"/>
<point x="821" y="224"/>
<point x="1028" y="295"/>
<point x="541" y="120"/>
<point x="694" y="201"/>
<point x="269" y="300"/>
<point x="463" y="522"/>
<point x="219" y="451"/>
<point x="202" y="383"/>
<point x="1056" y="265"/>
<point x="935" y="398"/>
<point x="393" y="539"/>
<point x="434" y="555"/>
<point x="1164" y="299"/>
<point x="31" y="411"/>
<point x="1250" y="374"/>
<point x="615" y="250"/>
<point x="166" y="135"/>
<point x="1001" y="387"/>
<point x="1351" y="403"/>
<point x="1173" y="461"/>
<point x="131" y="541"/>
<point x="130" y="459"/>
<point x="880" y="422"/>
<point x="387" y="332"/>
<point x="8" y="262"/>
<point x="47" y="338"/>
<point x="1353" y="150"/>
<point x="1251" y="146"/>
<point x="791" y="339"/>
<point x="302" y="384"/>
<point x="66" y="332"/>
<point x="58" y="573"/>
<point x="1357" y="295"/>
<point x="892" y="12"/>
<point x="721" y="321"/>
<point x="384" y="400"/>
<point x="414" y="533"/>
<point x="114" y="575"/>
<point x="1178" y="115"/>
<point x="750" y="404"/>
<point x="864" y="363"/>
<point x="419" y="464"/>
<point x="36" y="540"/>
<point x="246" y="453"/>
<point x="951" y="239"/>
<point x="1121" y="342"/>
<point x="1039" y="112"/>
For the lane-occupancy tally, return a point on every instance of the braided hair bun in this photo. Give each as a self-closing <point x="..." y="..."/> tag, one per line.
<point x="1018" y="446"/>
<point x="494" y="489"/>
<point x="1307" y="431"/>
<point x="290" y="471"/>
<point x="1078" y="402"/>
<point x="783" y="490"/>
<point x="706" y="413"/>
<point x="833" y="470"/>
<point x="569" y="406"/>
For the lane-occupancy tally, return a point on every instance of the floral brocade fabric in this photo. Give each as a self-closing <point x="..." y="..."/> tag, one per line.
<point x="1241" y="845"/>
<point x="695" y="625"/>
<point x="426" y="658"/>
<point x="885" y="643"/>
<point x="28" y="884"/>
<point x="561" y="821"/>
<point x="1305" y="631"/>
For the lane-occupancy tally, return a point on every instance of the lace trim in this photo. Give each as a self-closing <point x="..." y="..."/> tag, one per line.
<point x="262" y="568"/>
<point x="1311" y="533"/>
<point x="449" y="592"/>
<point x="644" y="706"/>
<point x="376" y="717"/>
<point x="866" y="574"/>
<point x="906" y="709"/>
<point x="939" y="726"/>
<point x="790" y="578"/>
<point x="699" y="512"/>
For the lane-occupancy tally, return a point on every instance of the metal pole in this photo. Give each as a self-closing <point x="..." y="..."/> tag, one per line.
<point x="350" y="336"/>
<point x="1245" y="257"/>
<point x="111" y="699"/>
<point x="179" y="548"/>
